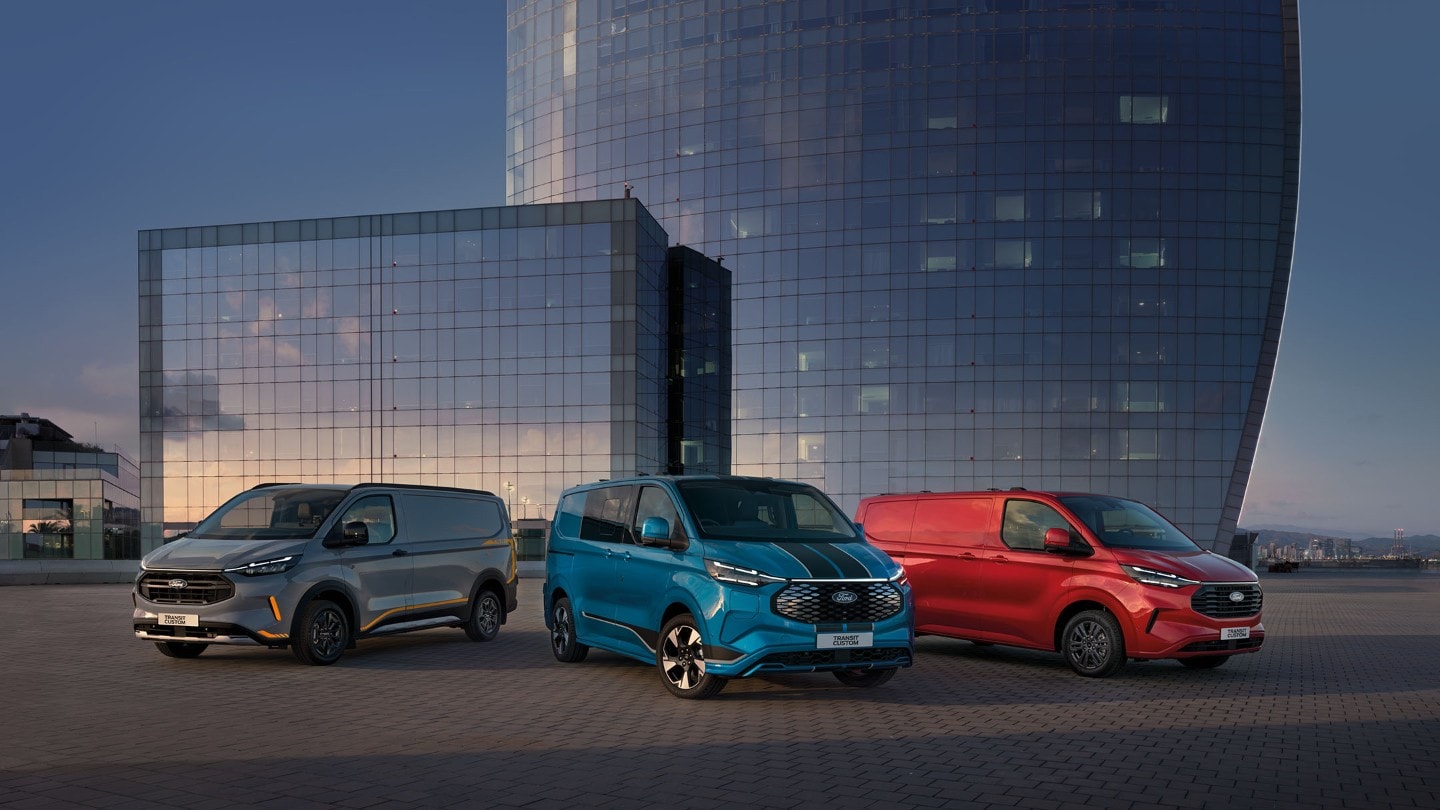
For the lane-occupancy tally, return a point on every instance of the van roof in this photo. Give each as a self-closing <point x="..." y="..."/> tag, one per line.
<point x="376" y="485"/>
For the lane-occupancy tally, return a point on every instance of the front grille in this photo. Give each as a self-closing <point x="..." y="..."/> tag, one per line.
<point x="1215" y="601"/>
<point x="1223" y="646"/>
<point x="821" y="658"/>
<point x="812" y="602"/>
<point x="199" y="588"/>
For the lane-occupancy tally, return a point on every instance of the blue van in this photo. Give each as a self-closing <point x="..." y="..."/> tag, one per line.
<point x="719" y="577"/>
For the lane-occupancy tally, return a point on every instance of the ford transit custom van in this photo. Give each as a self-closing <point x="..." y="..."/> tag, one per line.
<point x="314" y="567"/>
<point x="718" y="577"/>
<point x="1098" y="579"/>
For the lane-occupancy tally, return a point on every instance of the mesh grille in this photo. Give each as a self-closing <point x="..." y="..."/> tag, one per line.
<point x="199" y="589"/>
<point x="1222" y="646"/>
<point x="820" y="658"/>
<point x="815" y="602"/>
<point x="1216" y="601"/>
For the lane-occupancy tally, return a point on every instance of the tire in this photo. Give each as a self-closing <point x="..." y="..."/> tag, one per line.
<point x="180" y="649"/>
<point x="485" y="618"/>
<point x="1205" y="661"/>
<point x="563" y="643"/>
<point x="680" y="658"/>
<point x="324" y="633"/>
<point x="1092" y="644"/>
<point x="864" y="678"/>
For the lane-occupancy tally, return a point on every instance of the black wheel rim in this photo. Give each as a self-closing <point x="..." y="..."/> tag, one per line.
<point x="1089" y="645"/>
<point x="327" y="633"/>
<point x="488" y="619"/>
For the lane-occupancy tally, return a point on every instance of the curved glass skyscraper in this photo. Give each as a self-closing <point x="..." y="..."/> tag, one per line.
<point x="974" y="243"/>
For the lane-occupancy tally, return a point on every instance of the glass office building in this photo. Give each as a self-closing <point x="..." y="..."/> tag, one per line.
<point x="518" y="350"/>
<point x="974" y="243"/>
<point x="64" y="500"/>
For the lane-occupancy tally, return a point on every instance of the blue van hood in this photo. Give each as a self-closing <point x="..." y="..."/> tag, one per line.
<point x="206" y="554"/>
<point x="794" y="559"/>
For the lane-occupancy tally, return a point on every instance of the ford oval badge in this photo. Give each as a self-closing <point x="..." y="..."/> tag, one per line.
<point x="844" y="597"/>
<point x="1237" y="596"/>
<point x="178" y="583"/>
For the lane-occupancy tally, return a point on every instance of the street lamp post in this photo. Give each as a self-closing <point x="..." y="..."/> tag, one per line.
<point x="510" y="500"/>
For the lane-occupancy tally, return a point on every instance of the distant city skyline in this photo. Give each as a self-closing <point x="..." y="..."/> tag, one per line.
<point x="170" y="113"/>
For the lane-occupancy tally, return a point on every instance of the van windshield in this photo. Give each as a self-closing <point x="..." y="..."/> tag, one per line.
<point x="1127" y="524"/>
<point x="765" y="510"/>
<point x="271" y="514"/>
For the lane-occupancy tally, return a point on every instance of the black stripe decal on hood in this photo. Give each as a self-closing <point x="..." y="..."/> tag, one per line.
<point x="844" y="562"/>
<point x="817" y="566"/>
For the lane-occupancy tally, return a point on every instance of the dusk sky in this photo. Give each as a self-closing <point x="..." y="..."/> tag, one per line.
<point x="119" y="117"/>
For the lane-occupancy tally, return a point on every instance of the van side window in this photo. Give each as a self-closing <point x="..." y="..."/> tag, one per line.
<point x="437" y="517"/>
<point x="1026" y="522"/>
<point x="655" y="502"/>
<point x="607" y="514"/>
<point x="889" y="521"/>
<point x="378" y="515"/>
<point x="953" y="521"/>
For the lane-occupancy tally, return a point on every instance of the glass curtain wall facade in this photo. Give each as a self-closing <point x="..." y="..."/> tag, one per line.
<point x="61" y="499"/>
<point x="518" y="350"/>
<point x="974" y="243"/>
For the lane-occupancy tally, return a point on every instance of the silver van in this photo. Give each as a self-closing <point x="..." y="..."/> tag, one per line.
<point x="315" y="567"/>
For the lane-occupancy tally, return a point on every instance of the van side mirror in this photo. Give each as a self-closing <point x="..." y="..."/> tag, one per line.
<point x="655" y="531"/>
<point x="1057" y="541"/>
<point x="355" y="533"/>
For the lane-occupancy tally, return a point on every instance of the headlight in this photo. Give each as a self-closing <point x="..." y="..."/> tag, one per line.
<point x="739" y="576"/>
<point x="1149" y="576"/>
<point x="256" y="569"/>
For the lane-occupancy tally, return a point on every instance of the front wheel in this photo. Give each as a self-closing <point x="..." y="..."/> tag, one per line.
<point x="484" y="623"/>
<point x="1205" y="661"/>
<point x="1093" y="644"/>
<point x="864" y="678"/>
<point x="324" y="634"/>
<point x="681" y="660"/>
<point x="180" y="649"/>
<point x="562" y="634"/>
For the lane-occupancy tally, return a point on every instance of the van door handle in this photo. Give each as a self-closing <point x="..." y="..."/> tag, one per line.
<point x="967" y="556"/>
<point x="399" y="552"/>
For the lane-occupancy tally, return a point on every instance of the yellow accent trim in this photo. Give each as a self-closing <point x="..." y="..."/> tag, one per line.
<point x="275" y="608"/>
<point x="382" y="616"/>
<point x="273" y="635"/>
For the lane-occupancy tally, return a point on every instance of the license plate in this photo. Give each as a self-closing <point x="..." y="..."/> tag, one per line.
<point x="1234" y="633"/>
<point x="180" y="619"/>
<point x="830" y="641"/>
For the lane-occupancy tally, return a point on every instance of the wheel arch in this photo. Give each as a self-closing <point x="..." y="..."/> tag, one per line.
<point x="332" y="591"/>
<point x="492" y="580"/>
<point x="1073" y="608"/>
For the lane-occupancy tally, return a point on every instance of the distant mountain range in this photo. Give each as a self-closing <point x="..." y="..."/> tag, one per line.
<point x="1422" y="545"/>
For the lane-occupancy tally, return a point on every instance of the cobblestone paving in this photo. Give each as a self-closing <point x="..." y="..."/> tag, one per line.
<point x="1339" y="709"/>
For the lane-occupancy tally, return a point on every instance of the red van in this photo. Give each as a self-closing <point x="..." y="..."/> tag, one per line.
<point x="1099" y="579"/>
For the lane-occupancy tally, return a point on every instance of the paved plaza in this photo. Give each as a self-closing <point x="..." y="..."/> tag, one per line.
<point x="1340" y="709"/>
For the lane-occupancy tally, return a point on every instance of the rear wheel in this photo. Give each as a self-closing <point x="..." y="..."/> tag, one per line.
<point x="1093" y="644"/>
<point x="180" y="649"/>
<point x="681" y="660"/>
<point x="562" y="633"/>
<point x="484" y="623"/>
<point x="324" y="634"/>
<point x="1205" y="661"/>
<point x="864" y="677"/>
